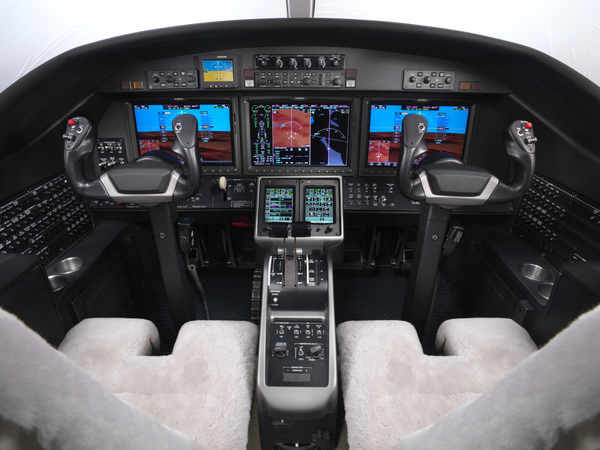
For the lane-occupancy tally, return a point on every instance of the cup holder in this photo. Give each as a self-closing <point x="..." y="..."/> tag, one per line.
<point x="535" y="272"/>
<point x="69" y="265"/>
<point x="545" y="289"/>
<point x="57" y="282"/>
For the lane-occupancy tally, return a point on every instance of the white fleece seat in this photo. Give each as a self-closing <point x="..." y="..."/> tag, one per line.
<point x="203" y="389"/>
<point x="48" y="402"/>
<point x="551" y="400"/>
<point x="391" y="389"/>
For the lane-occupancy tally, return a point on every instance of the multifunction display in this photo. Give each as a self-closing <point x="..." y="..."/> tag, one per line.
<point x="446" y="132"/>
<point x="319" y="204"/>
<point x="279" y="204"/>
<point x="298" y="134"/>
<point x="154" y="129"/>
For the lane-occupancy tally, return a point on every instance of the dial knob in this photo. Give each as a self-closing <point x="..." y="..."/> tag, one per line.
<point x="293" y="63"/>
<point x="321" y="62"/>
<point x="307" y="63"/>
<point x="278" y="63"/>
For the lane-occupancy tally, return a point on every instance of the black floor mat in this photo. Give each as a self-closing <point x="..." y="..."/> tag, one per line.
<point x="376" y="295"/>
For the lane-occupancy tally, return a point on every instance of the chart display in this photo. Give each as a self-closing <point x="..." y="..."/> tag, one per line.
<point x="299" y="134"/>
<point x="446" y="131"/>
<point x="279" y="204"/>
<point x="319" y="205"/>
<point x="154" y="129"/>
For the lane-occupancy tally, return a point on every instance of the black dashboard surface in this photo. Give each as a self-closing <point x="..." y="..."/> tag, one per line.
<point x="314" y="65"/>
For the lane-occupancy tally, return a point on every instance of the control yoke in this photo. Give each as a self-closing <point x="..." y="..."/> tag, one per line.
<point x="441" y="183"/>
<point x="443" y="180"/>
<point x="153" y="178"/>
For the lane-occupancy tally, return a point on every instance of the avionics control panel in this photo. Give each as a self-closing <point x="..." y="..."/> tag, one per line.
<point x="299" y="207"/>
<point x="298" y="354"/>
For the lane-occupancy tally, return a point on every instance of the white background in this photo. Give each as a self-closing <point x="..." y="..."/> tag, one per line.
<point x="33" y="31"/>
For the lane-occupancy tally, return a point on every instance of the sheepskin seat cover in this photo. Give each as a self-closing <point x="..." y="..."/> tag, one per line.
<point x="391" y="389"/>
<point x="48" y="402"/>
<point x="203" y="389"/>
<point x="549" y="401"/>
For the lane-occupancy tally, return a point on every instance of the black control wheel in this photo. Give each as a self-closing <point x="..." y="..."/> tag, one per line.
<point x="151" y="179"/>
<point x="443" y="180"/>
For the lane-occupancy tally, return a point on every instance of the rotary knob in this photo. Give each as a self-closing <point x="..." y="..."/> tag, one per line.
<point x="307" y="63"/>
<point x="293" y="63"/>
<point x="278" y="63"/>
<point x="321" y="62"/>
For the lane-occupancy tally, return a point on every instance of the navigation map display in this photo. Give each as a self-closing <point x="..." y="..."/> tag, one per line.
<point x="299" y="134"/>
<point x="279" y="205"/>
<point x="446" y="132"/>
<point x="318" y="205"/>
<point x="155" y="131"/>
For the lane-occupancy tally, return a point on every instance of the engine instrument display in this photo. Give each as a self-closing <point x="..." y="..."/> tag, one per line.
<point x="279" y="205"/>
<point x="446" y="132"/>
<point x="154" y="129"/>
<point x="299" y="134"/>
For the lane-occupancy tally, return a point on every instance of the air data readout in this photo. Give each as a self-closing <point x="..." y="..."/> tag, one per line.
<point x="318" y="205"/>
<point x="279" y="204"/>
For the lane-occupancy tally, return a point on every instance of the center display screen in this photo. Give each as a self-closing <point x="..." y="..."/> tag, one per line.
<point x="446" y="131"/>
<point x="299" y="134"/>
<point x="154" y="129"/>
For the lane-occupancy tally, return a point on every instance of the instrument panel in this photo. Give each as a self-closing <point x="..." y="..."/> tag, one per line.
<point x="282" y="112"/>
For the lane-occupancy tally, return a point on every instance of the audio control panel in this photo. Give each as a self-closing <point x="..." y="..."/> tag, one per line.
<point x="298" y="354"/>
<point x="172" y="79"/>
<point x="429" y="80"/>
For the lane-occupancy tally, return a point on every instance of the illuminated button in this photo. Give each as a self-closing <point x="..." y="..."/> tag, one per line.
<point x="138" y="85"/>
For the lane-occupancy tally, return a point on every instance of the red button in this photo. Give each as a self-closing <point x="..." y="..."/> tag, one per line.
<point x="528" y="125"/>
<point x="71" y="122"/>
